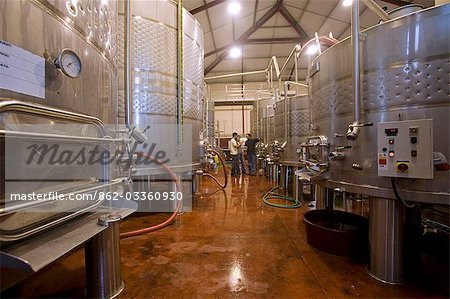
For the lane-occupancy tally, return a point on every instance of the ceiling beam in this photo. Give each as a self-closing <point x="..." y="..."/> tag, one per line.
<point x="396" y="2"/>
<point x="206" y="6"/>
<point x="272" y="11"/>
<point x="256" y="10"/>
<point x="291" y="20"/>
<point x="275" y="40"/>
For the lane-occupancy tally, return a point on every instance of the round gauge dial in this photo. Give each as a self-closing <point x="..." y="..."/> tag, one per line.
<point x="69" y="63"/>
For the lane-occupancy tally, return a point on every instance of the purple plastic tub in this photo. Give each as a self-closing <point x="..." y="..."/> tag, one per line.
<point x="337" y="232"/>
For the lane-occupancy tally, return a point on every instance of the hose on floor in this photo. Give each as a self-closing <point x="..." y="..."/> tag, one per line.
<point x="225" y="173"/>
<point x="174" y="214"/>
<point x="272" y="195"/>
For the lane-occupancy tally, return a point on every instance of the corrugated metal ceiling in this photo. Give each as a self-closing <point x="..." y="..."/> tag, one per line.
<point x="264" y="28"/>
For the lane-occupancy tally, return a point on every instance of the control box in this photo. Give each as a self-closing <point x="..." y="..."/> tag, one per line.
<point x="405" y="149"/>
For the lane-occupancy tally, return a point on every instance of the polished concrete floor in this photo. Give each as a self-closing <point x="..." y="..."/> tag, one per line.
<point x="231" y="245"/>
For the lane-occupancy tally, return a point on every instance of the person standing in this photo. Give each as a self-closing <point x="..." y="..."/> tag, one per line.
<point x="241" y="155"/>
<point x="234" y="152"/>
<point x="251" y="153"/>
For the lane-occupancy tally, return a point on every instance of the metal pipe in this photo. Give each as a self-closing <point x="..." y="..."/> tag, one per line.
<point x="9" y="208"/>
<point x="267" y="125"/>
<point x="356" y="63"/>
<point x="62" y="138"/>
<point x="236" y="75"/>
<point x="7" y="104"/>
<point x="273" y="63"/>
<point x="296" y="66"/>
<point x="180" y="74"/>
<point x="373" y="6"/>
<point x="127" y="63"/>
<point x="296" y="49"/>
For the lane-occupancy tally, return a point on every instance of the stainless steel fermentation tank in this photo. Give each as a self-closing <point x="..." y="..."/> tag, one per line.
<point x="298" y="125"/>
<point x="45" y="29"/>
<point x="404" y="76"/>
<point x="154" y="66"/>
<point x="263" y="125"/>
<point x="89" y="28"/>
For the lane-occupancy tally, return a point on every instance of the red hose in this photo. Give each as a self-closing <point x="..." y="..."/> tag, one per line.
<point x="224" y="170"/>
<point x="174" y="214"/>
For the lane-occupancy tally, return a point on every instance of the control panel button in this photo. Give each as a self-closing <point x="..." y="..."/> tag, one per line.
<point x="391" y="131"/>
<point x="413" y="153"/>
<point x="391" y="154"/>
<point x="402" y="167"/>
<point x="384" y="149"/>
<point x="391" y="141"/>
<point x="414" y="130"/>
<point x="413" y="140"/>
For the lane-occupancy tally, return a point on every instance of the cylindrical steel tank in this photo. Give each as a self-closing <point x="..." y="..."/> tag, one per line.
<point x="264" y="108"/>
<point x="405" y="76"/>
<point x="154" y="53"/>
<point x="298" y="123"/>
<point x="89" y="28"/>
<point x="33" y="34"/>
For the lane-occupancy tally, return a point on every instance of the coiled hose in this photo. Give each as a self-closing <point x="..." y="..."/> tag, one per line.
<point x="225" y="173"/>
<point x="272" y="195"/>
<point x="174" y="214"/>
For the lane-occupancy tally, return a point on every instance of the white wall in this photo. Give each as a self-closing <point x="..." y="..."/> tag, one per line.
<point x="229" y="119"/>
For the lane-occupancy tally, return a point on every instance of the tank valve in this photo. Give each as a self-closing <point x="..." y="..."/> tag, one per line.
<point x="353" y="130"/>
<point x="340" y="148"/>
<point x="336" y="156"/>
<point x="357" y="166"/>
<point x="138" y="135"/>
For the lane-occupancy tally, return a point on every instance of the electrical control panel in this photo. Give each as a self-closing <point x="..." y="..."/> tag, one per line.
<point x="405" y="149"/>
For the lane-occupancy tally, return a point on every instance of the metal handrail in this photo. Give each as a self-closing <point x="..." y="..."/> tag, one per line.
<point x="7" y="104"/>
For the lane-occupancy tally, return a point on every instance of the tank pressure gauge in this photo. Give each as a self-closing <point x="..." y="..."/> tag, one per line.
<point x="69" y="63"/>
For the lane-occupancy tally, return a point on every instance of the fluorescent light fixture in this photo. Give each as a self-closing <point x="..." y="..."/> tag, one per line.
<point x="235" y="52"/>
<point x="312" y="49"/>
<point x="347" y="2"/>
<point x="234" y="8"/>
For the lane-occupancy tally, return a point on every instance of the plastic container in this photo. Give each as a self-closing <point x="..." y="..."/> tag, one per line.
<point x="337" y="232"/>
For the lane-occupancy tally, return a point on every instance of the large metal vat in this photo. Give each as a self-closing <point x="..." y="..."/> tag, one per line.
<point x="58" y="87"/>
<point x="298" y="124"/>
<point x="88" y="27"/>
<point x="42" y="30"/>
<point x="154" y="53"/>
<point x="404" y="76"/>
<point x="265" y="119"/>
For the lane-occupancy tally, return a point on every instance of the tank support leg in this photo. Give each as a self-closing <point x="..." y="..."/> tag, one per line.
<point x="324" y="198"/>
<point x="284" y="179"/>
<point x="102" y="257"/>
<point x="386" y="228"/>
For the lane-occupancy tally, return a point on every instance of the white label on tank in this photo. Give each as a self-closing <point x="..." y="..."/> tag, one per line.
<point x="21" y="71"/>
